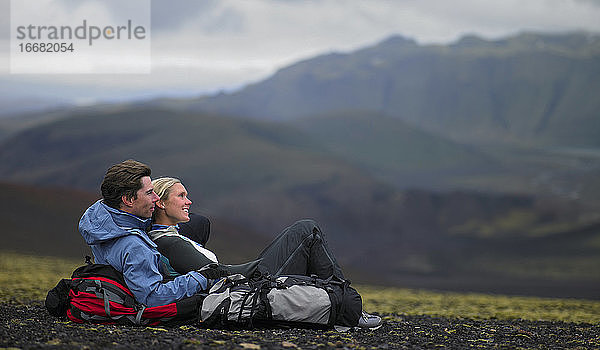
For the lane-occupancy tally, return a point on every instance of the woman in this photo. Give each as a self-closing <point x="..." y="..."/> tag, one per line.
<point x="300" y="249"/>
<point x="181" y="254"/>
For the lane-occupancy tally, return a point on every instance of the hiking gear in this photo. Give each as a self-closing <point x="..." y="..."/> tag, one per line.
<point x="369" y="321"/>
<point x="98" y="294"/>
<point x="366" y="321"/>
<point x="57" y="299"/>
<point x="118" y="238"/>
<point x="284" y="300"/>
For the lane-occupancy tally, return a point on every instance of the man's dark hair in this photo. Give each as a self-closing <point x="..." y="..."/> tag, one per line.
<point x="121" y="179"/>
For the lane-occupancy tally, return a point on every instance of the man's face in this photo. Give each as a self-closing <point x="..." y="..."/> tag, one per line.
<point x="143" y="204"/>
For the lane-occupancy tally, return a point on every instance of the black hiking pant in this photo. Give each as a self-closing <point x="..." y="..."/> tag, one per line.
<point x="300" y="249"/>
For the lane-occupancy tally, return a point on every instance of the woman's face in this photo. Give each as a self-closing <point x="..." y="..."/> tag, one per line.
<point x="177" y="205"/>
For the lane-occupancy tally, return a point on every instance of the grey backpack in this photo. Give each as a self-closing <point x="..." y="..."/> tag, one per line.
<point x="284" y="300"/>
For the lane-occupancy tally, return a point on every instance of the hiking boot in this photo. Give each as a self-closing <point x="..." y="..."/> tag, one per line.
<point x="369" y="321"/>
<point x="366" y="321"/>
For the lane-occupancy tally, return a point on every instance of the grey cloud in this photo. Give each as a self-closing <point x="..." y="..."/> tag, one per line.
<point x="4" y="19"/>
<point x="208" y="15"/>
<point x="165" y="14"/>
<point x="4" y="37"/>
<point x="228" y="20"/>
<point x="118" y="10"/>
<point x="170" y="15"/>
<point x="591" y="2"/>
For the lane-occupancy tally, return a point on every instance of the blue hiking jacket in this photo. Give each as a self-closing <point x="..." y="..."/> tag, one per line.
<point x="119" y="239"/>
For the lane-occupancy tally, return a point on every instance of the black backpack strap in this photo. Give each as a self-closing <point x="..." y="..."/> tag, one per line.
<point x="266" y="287"/>
<point x="104" y="296"/>
<point x="343" y="301"/>
<point x="242" y="306"/>
<point x="255" y="297"/>
<point x="261" y="290"/>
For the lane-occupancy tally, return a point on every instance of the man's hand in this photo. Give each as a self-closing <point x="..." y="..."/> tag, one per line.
<point x="214" y="271"/>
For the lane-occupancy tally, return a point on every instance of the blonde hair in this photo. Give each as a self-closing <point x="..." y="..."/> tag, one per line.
<point x="162" y="186"/>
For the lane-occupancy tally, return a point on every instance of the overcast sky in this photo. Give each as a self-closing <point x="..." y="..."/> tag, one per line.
<point x="201" y="46"/>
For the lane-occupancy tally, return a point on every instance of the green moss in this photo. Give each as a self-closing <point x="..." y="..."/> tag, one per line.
<point x="477" y="306"/>
<point x="24" y="278"/>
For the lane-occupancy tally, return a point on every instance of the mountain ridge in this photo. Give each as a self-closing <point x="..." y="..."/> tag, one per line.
<point x="518" y="89"/>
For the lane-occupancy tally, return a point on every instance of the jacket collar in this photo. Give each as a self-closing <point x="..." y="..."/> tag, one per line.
<point x="164" y="227"/>
<point x="128" y="220"/>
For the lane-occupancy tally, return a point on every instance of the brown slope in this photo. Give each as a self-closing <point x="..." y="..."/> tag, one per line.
<point x="43" y="220"/>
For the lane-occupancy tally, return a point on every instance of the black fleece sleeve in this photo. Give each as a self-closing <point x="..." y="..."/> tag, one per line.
<point x="182" y="255"/>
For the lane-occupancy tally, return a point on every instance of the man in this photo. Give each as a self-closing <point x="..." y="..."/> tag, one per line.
<point x="115" y="229"/>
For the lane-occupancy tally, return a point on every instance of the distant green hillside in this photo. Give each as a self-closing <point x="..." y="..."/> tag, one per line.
<point x="262" y="174"/>
<point x="393" y="150"/>
<point x="523" y="110"/>
<point x="529" y="89"/>
<point x="217" y="152"/>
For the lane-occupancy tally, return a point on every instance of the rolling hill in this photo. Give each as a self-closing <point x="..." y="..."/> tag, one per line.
<point x="524" y="108"/>
<point x="43" y="221"/>
<point x="262" y="174"/>
<point x="500" y="137"/>
<point x="395" y="151"/>
<point x="257" y="177"/>
<point x="529" y="89"/>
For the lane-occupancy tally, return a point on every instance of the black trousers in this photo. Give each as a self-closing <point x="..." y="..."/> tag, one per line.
<point x="300" y="249"/>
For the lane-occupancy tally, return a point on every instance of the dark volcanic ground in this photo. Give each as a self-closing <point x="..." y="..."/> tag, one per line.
<point x="30" y="327"/>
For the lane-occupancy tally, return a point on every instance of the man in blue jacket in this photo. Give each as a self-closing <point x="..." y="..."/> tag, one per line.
<point x="115" y="229"/>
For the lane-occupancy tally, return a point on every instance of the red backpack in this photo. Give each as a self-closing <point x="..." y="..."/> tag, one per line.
<point x="98" y="294"/>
